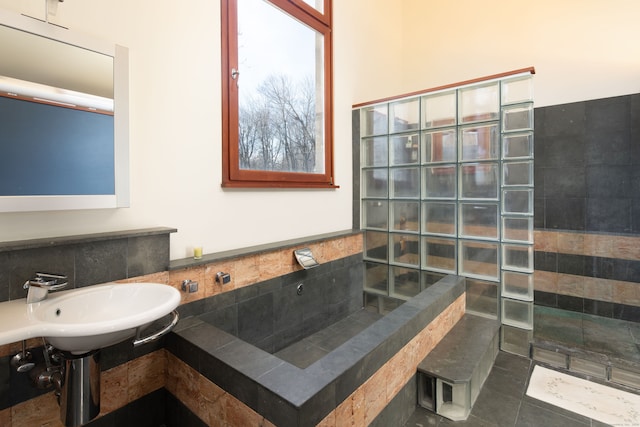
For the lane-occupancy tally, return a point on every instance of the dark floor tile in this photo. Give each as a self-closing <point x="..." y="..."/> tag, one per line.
<point x="472" y="421"/>
<point x="534" y="416"/>
<point x="506" y="381"/>
<point x="496" y="408"/>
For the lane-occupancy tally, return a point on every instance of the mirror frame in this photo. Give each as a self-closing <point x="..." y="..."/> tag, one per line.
<point x="120" y="55"/>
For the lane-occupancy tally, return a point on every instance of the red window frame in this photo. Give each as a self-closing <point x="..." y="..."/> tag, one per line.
<point x="232" y="175"/>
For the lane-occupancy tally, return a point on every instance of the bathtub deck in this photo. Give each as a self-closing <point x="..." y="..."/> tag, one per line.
<point x="311" y="349"/>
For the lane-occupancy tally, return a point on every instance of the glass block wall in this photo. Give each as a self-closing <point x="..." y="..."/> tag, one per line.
<point x="447" y="188"/>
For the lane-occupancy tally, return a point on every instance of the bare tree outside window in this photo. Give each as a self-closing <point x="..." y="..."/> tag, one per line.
<point x="277" y="126"/>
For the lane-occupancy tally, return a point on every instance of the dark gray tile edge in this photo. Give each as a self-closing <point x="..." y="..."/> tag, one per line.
<point x="252" y="250"/>
<point x="311" y="393"/>
<point x="48" y="242"/>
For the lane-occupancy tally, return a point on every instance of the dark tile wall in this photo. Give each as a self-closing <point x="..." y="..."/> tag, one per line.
<point x="85" y="260"/>
<point x="271" y="315"/>
<point x="587" y="180"/>
<point x="587" y="158"/>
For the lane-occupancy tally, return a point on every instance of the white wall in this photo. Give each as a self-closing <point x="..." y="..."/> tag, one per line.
<point x="174" y="50"/>
<point x="581" y="49"/>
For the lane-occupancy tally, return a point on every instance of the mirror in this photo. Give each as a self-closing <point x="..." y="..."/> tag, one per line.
<point x="64" y="125"/>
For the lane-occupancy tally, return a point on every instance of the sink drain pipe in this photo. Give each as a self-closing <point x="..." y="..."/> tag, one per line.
<point x="80" y="392"/>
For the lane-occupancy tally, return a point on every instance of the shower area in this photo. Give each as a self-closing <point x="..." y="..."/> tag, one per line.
<point x="448" y="185"/>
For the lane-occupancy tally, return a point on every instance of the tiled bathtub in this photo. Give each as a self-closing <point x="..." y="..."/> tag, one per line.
<point x="223" y="379"/>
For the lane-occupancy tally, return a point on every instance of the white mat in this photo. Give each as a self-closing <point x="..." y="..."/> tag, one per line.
<point x="599" y="402"/>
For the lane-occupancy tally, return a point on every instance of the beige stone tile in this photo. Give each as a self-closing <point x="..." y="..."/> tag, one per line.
<point x="176" y="277"/>
<point x="42" y="411"/>
<point x="350" y="413"/>
<point x="546" y="241"/>
<point x="328" y="421"/>
<point x="571" y="243"/>
<point x="399" y="371"/>
<point x="598" y="245"/>
<point x="598" y="289"/>
<point x="625" y="247"/>
<point x="146" y="374"/>
<point x="625" y="292"/>
<point x="375" y="395"/>
<point x="211" y="401"/>
<point x="114" y="386"/>
<point x="569" y="284"/>
<point x="545" y="281"/>
<point x="239" y="414"/>
<point x="5" y="417"/>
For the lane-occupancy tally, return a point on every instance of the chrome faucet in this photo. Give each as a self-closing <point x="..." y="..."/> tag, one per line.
<point x="40" y="286"/>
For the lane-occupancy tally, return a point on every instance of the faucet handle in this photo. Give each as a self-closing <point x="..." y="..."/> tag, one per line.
<point x="48" y="281"/>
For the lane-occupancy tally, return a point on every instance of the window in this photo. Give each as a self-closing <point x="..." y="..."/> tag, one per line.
<point x="277" y="93"/>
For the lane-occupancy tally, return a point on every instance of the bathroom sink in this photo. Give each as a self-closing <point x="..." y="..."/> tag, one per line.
<point x="86" y="319"/>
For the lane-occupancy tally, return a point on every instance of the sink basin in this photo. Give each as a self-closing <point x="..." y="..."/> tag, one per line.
<point x="86" y="319"/>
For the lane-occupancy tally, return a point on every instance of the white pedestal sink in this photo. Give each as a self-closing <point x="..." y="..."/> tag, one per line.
<point x="91" y="318"/>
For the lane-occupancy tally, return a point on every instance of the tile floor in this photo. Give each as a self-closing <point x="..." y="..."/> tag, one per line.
<point x="502" y="403"/>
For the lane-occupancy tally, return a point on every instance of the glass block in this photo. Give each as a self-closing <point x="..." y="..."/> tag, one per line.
<point x="375" y="182"/>
<point x="405" y="249"/>
<point x="517" y="118"/>
<point x="517" y="146"/>
<point x="625" y="377"/>
<point x="439" y="254"/>
<point x="479" y="220"/>
<point x="479" y="259"/>
<point x="479" y="181"/>
<point x="482" y="298"/>
<point x="479" y="103"/>
<point x="439" y="109"/>
<point x="404" y="115"/>
<point x="518" y="314"/>
<point x="405" y="216"/>
<point x="517" y="201"/>
<point x="549" y="357"/>
<point x="374" y="120"/>
<point x="479" y="143"/>
<point x="517" y="173"/>
<point x="375" y="214"/>
<point x="439" y="218"/>
<point x="453" y="401"/>
<point x="375" y="151"/>
<point x="405" y="182"/>
<point x="376" y="245"/>
<point x="376" y="278"/>
<point x="404" y="149"/>
<point x="592" y="368"/>
<point x="439" y="146"/>
<point x="515" y="340"/>
<point x="517" y="90"/>
<point x="405" y="282"/>
<point x="439" y="182"/>
<point x="517" y="257"/>
<point x="518" y="229"/>
<point x="517" y="285"/>
<point x="429" y="278"/>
